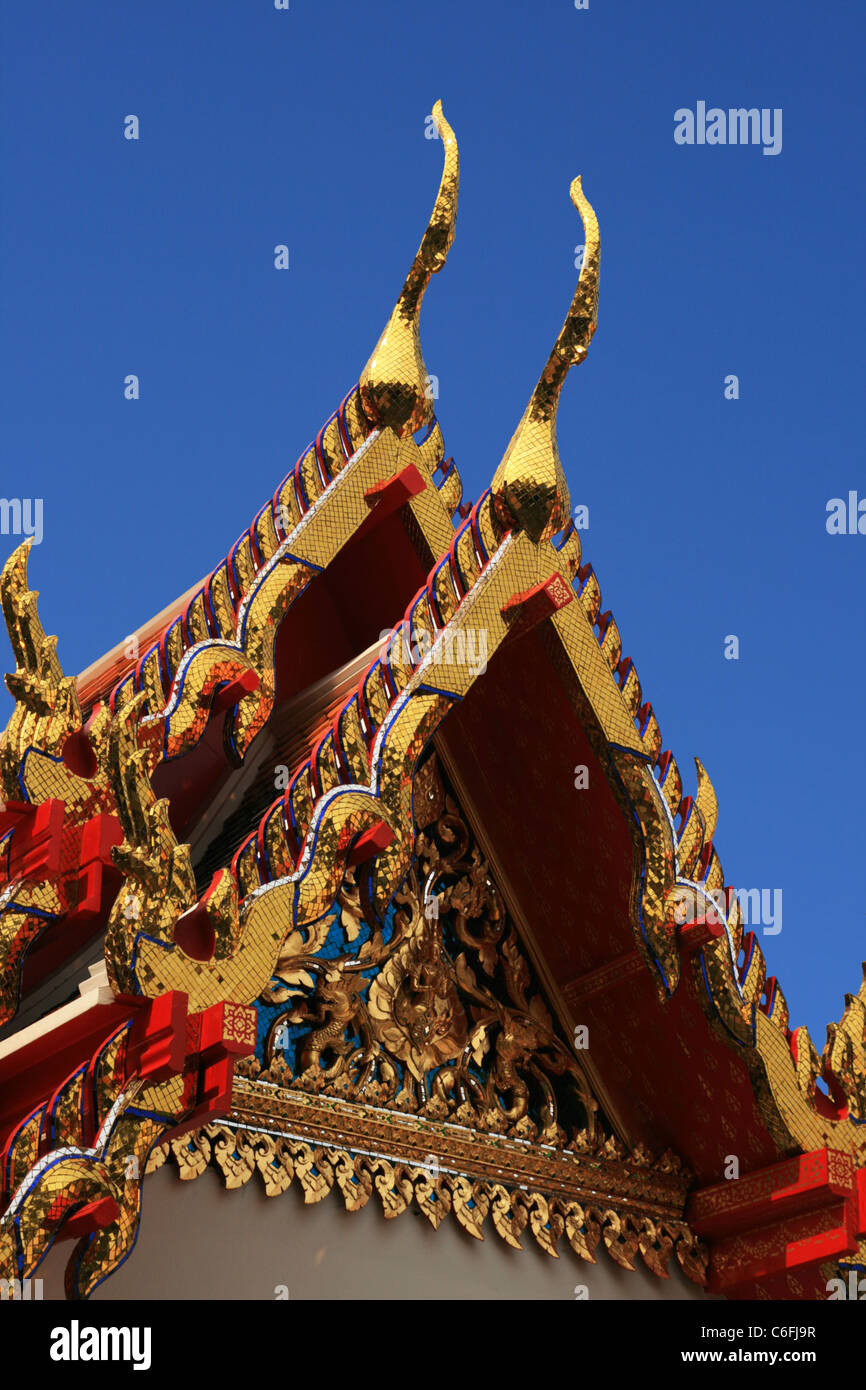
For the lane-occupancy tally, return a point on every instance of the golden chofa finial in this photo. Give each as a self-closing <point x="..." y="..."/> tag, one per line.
<point x="395" y="388"/>
<point x="529" y="488"/>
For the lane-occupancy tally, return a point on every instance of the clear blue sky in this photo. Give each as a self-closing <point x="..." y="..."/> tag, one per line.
<point x="707" y="516"/>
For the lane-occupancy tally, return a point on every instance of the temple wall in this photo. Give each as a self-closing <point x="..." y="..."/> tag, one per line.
<point x="199" y="1241"/>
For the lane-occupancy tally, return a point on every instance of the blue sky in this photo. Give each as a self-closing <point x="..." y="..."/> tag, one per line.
<point x="306" y="127"/>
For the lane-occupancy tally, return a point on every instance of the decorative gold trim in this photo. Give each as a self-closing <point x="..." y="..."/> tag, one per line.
<point x="631" y="1205"/>
<point x="682" y="867"/>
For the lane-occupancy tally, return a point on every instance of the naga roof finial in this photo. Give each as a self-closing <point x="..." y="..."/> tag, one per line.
<point x="394" y="383"/>
<point x="529" y="487"/>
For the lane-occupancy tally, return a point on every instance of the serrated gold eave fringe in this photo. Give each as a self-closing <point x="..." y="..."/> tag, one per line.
<point x="238" y="1153"/>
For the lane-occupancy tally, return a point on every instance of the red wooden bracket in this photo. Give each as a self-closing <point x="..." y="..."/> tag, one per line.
<point x="526" y="610"/>
<point x="860" y="1221"/>
<point x="394" y="492"/>
<point x="157" y="1045"/>
<point x="214" y="1038"/>
<point x="789" y="1218"/>
<point x="693" y="936"/>
<point x="227" y="1028"/>
<point x="93" y="1216"/>
<point x="97" y="875"/>
<point x="36" y="844"/>
<point x="370" y="843"/>
<point x="89" y="883"/>
<point x="228" y="695"/>
<point x="214" y="1094"/>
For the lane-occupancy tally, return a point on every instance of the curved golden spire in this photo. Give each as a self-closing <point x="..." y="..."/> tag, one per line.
<point x="529" y="487"/>
<point x="394" y="383"/>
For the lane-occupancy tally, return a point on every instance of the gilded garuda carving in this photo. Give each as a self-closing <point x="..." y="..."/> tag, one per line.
<point x="436" y="1013"/>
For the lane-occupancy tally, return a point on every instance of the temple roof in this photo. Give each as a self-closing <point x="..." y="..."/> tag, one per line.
<point x="255" y="805"/>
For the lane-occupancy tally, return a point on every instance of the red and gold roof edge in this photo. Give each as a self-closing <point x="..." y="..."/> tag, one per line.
<point x="393" y="394"/>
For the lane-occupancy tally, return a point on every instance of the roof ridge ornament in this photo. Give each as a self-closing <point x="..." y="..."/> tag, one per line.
<point x="529" y="488"/>
<point x="394" y="384"/>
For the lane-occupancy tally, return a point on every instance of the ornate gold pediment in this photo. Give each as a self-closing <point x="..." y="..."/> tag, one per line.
<point x="421" y="1059"/>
